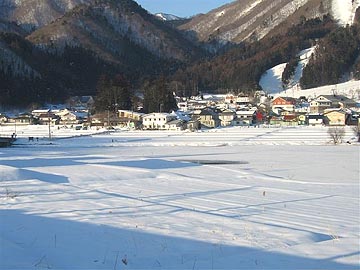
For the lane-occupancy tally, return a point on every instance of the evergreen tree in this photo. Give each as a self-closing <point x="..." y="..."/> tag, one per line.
<point x="113" y="94"/>
<point x="158" y="97"/>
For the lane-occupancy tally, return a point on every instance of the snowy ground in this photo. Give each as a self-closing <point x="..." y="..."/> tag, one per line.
<point x="350" y="89"/>
<point x="237" y="198"/>
<point x="271" y="80"/>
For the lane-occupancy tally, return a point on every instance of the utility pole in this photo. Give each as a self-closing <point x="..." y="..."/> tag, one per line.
<point x="49" y="125"/>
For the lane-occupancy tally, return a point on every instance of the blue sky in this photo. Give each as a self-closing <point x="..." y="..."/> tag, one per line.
<point x="182" y="8"/>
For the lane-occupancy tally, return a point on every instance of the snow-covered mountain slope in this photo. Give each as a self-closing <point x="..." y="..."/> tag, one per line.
<point x="272" y="84"/>
<point x="242" y="20"/>
<point x="31" y="14"/>
<point x="167" y="17"/>
<point x="271" y="81"/>
<point x="349" y="89"/>
<point x="253" y="19"/>
<point x="304" y="57"/>
<point x="115" y="28"/>
<point x="344" y="10"/>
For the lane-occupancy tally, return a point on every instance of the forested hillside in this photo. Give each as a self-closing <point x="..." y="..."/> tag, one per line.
<point x="71" y="51"/>
<point x="68" y="56"/>
<point x="335" y="55"/>
<point x="242" y="67"/>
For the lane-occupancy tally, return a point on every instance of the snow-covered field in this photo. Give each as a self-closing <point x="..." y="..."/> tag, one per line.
<point x="237" y="198"/>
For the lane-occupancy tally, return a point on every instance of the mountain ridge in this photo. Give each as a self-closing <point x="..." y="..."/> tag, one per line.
<point x="251" y="20"/>
<point x="108" y="22"/>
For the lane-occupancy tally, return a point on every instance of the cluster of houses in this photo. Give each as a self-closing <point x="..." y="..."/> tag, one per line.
<point x="205" y="112"/>
<point x="77" y="112"/>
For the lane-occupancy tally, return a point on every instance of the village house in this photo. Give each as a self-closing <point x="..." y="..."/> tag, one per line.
<point x="230" y="98"/>
<point x="130" y="115"/>
<point x="130" y="119"/>
<point x="323" y="102"/>
<point x="335" y="117"/>
<point x="99" y="120"/>
<point x="286" y="104"/>
<point x="243" y="100"/>
<point x="175" y="125"/>
<point x="226" y="117"/>
<point x="107" y="119"/>
<point x="315" y="119"/>
<point x="21" y="119"/>
<point x="3" y="118"/>
<point x="183" y="106"/>
<point x="284" y="120"/>
<point x="49" y="117"/>
<point x="353" y="119"/>
<point x="68" y="117"/>
<point x="36" y="113"/>
<point x="156" y="120"/>
<point x="195" y="105"/>
<point x="193" y="124"/>
<point x="244" y="118"/>
<point x="207" y="118"/>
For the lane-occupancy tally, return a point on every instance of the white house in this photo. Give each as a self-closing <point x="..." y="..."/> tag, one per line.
<point x="226" y="117"/>
<point x="243" y="100"/>
<point x="175" y="125"/>
<point x="156" y="120"/>
<point x="244" y="118"/>
<point x="315" y="119"/>
<point x="39" y="112"/>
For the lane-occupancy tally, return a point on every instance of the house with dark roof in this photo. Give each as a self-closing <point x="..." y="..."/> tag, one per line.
<point x="323" y="102"/>
<point x="208" y="118"/>
<point x="226" y="117"/>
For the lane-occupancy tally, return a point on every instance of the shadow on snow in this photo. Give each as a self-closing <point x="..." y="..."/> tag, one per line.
<point x="30" y="241"/>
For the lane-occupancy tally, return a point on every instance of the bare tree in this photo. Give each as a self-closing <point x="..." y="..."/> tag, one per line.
<point x="336" y="134"/>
